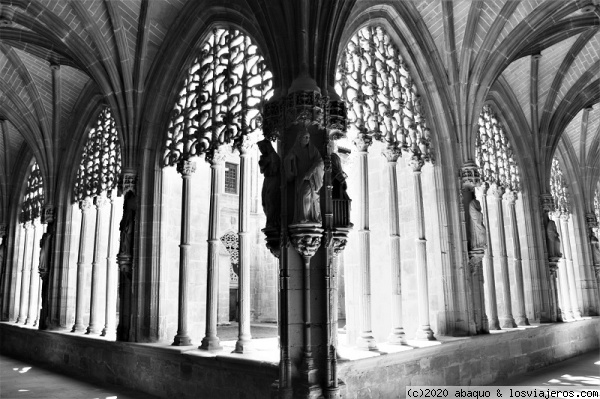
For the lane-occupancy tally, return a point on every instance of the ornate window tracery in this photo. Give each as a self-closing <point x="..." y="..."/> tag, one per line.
<point x="34" y="195"/>
<point x="380" y="94"/>
<point x="494" y="154"/>
<point x="100" y="164"/>
<point x="558" y="188"/>
<point x="232" y="244"/>
<point x="597" y="203"/>
<point x="221" y="97"/>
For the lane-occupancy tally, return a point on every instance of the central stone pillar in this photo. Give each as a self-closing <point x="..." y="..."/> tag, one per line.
<point x="98" y="288"/>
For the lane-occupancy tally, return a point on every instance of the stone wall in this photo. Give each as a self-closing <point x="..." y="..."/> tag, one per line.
<point x="167" y="372"/>
<point x="478" y="360"/>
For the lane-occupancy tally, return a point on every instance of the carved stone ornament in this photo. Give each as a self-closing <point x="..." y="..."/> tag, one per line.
<point x="416" y="163"/>
<point x="552" y="240"/>
<point x="363" y="141"/>
<point x="547" y="202"/>
<point x="2" y="230"/>
<point x="215" y="156"/>
<point x="392" y="152"/>
<point x="591" y="221"/>
<point x="478" y="236"/>
<point x="86" y="204"/>
<point x="101" y="201"/>
<point x="339" y="240"/>
<point x="306" y="238"/>
<point x="186" y="168"/>
<point x="496" y="190"/>
<point x="470" y="176"/>
<point x="553" y="266"/>
<point x="511" y="196"/>
<point x="476" y="261"/>
<point x="127" y="183"/>
<point x="47" y="214"/>
<point x="273" y="239"/>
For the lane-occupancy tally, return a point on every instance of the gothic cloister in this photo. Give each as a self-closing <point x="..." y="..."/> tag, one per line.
<point x="309" y="198"/>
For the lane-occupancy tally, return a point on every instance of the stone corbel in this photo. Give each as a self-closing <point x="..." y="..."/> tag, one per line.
<point x="48" y="214"/>
<point x="470" y="177"/>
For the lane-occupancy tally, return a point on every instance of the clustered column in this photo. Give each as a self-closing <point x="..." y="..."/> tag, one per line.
<point x="98" y="288"/>
<point x="521" y="317"/>
<point x="82" y="264"/>
<point x="565" y="233"/>
<point x="488" y="261"/>
<point x="25" y="272"/>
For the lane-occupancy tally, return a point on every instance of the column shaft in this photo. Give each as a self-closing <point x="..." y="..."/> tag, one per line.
<point x="243" y="343"/>
<point x="210" y="340"/>
<point x="186" y="168"/>
<point x="34" y="277"/>
<point x="424" y="330"/>
<point x="568" y="255"/>
<point x="489" y="278"/>
<point x="25" y="271"/>
<point x="563" y="293"/>
<point x="98" y="288"/>
<point x="86" y="206"/>
<point x="507" y="320"/>
<point x="365" y="338"/>
<point x="521" y="316"/>
<point x="397" y="335"/>
<point x="111" y="277"/>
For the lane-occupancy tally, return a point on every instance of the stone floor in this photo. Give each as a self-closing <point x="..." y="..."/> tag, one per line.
<point x="20" y="379"/>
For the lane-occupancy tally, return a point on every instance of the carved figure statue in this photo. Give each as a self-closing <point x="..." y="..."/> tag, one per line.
<point x="126" y="225"/>
<point x="478" y="231"/>
<point x="304" y="166"/>
<point x="337" y="173"/>
<point x="44" y="254"/>
<point x="595" y="249"/>
<point x="270" y="166"/>
<point x="552" y="239"/>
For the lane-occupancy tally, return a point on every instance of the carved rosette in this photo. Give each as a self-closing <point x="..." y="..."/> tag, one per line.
<point x="470" y="177"/>
<point x="306" y="238"/>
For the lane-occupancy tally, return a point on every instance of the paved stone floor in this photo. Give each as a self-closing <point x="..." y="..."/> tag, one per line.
<point x="19" y="379"/>
<point x="582" y="370"/>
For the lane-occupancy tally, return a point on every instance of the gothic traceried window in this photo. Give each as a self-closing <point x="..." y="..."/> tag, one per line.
<point x="221" y="97"/>
<point x="381" y="96"/>
<point x="100" y="164"/>
<point x="231" y="243"/>
<point x="558" y="188"/>
<point x="494" y="154"/>
<point x="34" y="195"/>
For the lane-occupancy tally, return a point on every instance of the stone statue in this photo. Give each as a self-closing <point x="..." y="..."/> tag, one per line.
<point x="126" y="225"/>
<point x="552" y="239"/>
<point x="44" y="254"/>
<point x="478" y="231"/>
<point x="595" y="249"/>
<point x="337" y="173"/>
<point x="304" y="166"/>
<point x="270" y="166"/>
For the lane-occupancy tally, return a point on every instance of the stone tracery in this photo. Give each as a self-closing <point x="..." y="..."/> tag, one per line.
<point x="34" y="195"/>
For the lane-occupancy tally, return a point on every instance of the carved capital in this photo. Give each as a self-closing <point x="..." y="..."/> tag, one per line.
<point x="127" y="182"/>
<point x="339" y="239"/>
<point x="362" y="141"/>
<point x="54" y="66"/>
<point x="243" y="144"/>
<point x="565" y="216"/>
<point x="476" y="261"/>
<point x="216" y="156"/>
<point x="28" y="225"/>
<point x="392" y="152"/>
<point x="511" y="196"/>
<point x="306" y="238"/>
<point x="416" y="162"/>
<point x="496" y="190"/>
<point x="547" y="202"/>
<point x="186" y="168"/>
<point x="470" y="177"/>
<point x="86" y="204"/>
<point x="101" y="201"/>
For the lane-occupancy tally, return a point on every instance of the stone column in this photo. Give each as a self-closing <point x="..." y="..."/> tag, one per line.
<point x="34" y="278"/>
<point x="25" y="273"/>
<point x="563" y="294"/>
<point x="568" y="255"/>
<point x="424" y="331"/>
<point x="111" y="276"/>
<point x="244" y="342"/>
<point x="490" y="279"/>
<point x="521" y="316"/>
<point x="98" y="289"/>
<point x="397" y="335"/>
<point x="186" y="169"/>
<point x="365" y="339"/>
<point x="85" y="206"/>
<point x="506" y="320"/>
<point x="210" y="340"/>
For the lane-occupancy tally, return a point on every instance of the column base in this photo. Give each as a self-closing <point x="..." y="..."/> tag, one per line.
<point x="109" y="332"/>
<point x="397" y="336"/>
<point x="77" y="328"/>
<point x="210" y="344"/>
<point x="244" y="346"/>
<point x="367" y="341"/>
<point x="181" y="340"/>
<point x="92" y="330"/>
<point x="508" y="323"/>
<point x="522" y="321"/>
<point x="27" y="321"/>
<point x="494" y="324"/>
<point x="577" y="315"/>
<point x="425" y="334"/>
